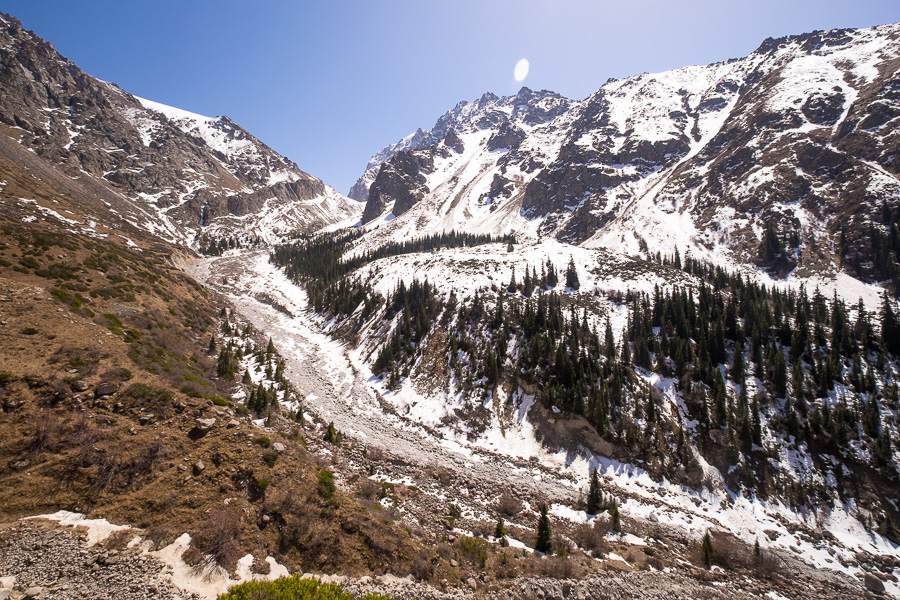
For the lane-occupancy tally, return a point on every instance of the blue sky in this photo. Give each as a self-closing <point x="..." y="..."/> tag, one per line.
<point x="329" y="83"/>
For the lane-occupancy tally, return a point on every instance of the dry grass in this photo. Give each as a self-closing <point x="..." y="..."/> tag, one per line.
<point x="216" y="541"/>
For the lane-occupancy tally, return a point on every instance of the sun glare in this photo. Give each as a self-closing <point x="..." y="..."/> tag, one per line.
<point x="521" y="70"/>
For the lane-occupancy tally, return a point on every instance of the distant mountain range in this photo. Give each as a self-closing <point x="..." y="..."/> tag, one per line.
<point x="786" y="159"/>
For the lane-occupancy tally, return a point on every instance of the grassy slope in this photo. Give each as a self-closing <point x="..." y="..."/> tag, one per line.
<point x="78" y="311"/>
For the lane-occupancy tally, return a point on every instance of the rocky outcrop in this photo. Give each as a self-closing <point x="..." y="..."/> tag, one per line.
<point x="401" y="182"/>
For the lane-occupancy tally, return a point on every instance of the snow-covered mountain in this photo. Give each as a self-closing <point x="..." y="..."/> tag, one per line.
<point x="799" y="137"/>
<point x="186" y="177"/>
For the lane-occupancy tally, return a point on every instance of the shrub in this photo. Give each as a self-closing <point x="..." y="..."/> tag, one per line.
<point x="29" y="331"/>
<point x="270" y="458"/>
<point x="294" y="587"/>
<point x="475" y="549"/>
<point x="326" y="484"/>
<point x="117" y="375"/>
<point x="368" y="489"/>
<point x="262" y="441"/>
<point x="216" y="541"/>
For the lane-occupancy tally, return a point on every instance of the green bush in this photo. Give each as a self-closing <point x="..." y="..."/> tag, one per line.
<point x="326" y="484"/>
<point x="475" y="549"/>
<point x="270" y="458"/>
<point x="295" y="587"/>
<point x="263" y="441"/>
<point x="29" y="331"/>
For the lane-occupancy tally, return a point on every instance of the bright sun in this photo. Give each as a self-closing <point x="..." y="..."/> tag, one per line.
<point x="521" y="70"/>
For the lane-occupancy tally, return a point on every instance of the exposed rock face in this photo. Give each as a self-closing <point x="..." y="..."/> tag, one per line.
<point x="181" y="171"/>
<point x="360" y="189"/>
<point x="401" y="181"/>
<point x="801" y="135"/>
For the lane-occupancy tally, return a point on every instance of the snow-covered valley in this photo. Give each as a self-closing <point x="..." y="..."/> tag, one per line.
<point x="340" y="388"/>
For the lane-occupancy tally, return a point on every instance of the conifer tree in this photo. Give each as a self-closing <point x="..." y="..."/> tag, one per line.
<point x="500" y="528"/>
<point x="615" y="518"/>
<point x="609" y="341"/>
<point x="544" y="542"/>
<point x="572" y="275"/>
<point x="552" y="277"/>
<point x="706" y="550"/>
<point x="331" y="434"/>
<point x="890" y="327"/>
<point x="737" y="367"/>
<point x="595" y="495"/>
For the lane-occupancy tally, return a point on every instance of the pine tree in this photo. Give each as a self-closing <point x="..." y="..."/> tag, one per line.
<point x="890" y="327"/>
<point x="609" y="341"/>
<point x="872" y="418"/>
<point x="544" y="542"/>
<point x="552" y="277"/>
<point x="706" y="551"/>
<point x="779" y="373"/>
<point x="331" y="434"/>
<point x="572" y="275"/>
<point x="595" y="495"/>
<point x="615" y="518"/>
<point x="500" y="529"/>
<point x="737" y="367"/>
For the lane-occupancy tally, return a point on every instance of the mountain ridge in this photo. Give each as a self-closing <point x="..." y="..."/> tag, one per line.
<point x="658" y="160"/>
<point x="193" y="179"/>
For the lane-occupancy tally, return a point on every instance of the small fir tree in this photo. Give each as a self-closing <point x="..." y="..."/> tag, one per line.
<point x="500" y="529"/>
<point x="706" y="550"/>
<point x="595" y="495"/>
<point x="544" y="542"/>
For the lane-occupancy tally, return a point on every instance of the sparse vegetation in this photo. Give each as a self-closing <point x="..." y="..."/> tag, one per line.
<point x="294" y="587"/>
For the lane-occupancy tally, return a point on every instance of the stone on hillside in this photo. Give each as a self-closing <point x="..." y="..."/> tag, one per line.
<point x="205" y="425"/>
<point x="80" y="385"/>
<point x="873" y="584"/>
<point x="106" y="389"/>
<point x="199" y="467"/>
<point x="33" y="592"/>
<point x="278" y="447"/>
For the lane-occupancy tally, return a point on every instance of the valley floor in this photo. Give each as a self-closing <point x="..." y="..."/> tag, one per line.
<point x="339" y="388"/>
